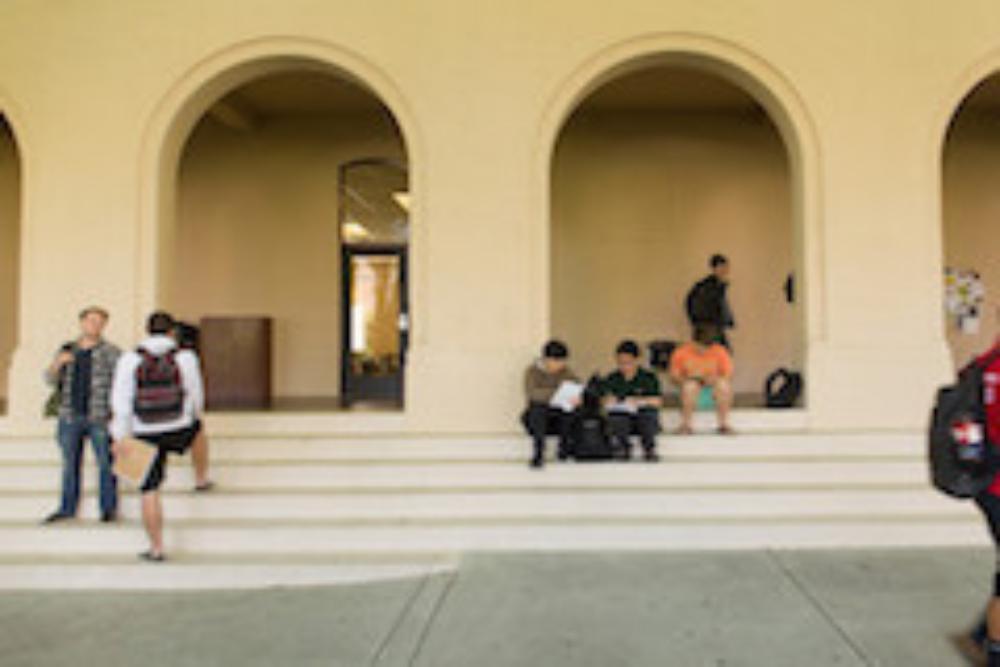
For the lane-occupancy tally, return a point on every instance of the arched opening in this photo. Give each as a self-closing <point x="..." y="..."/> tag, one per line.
<point x="10" y="243"/>
<point x="656" y="169"/>
<point x="971" y="222"/>
<point x="255" y="236"/>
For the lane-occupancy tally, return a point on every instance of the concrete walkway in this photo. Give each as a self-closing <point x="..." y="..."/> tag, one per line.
<point x="605" y="610"/>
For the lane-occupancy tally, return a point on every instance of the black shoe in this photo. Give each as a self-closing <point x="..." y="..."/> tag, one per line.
<point x="651" y="456"/>
<point x="109" y="517"/>
<point x="57" y="516"/>
<point x="563" y="455"/>
<point x="623" y="454"/>
<point x="537" y="463"/>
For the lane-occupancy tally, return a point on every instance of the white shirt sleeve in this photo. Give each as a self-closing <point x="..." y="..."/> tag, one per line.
<point x="193" y="386"/>
<point x="122" y="397"/>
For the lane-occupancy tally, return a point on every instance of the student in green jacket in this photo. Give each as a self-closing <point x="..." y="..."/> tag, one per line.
<point x="632" y="398"/>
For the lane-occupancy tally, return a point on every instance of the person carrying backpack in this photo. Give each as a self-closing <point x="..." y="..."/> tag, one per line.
<point x="157" y="396"/>
<point x="707" y="302"/>
<point x="987" y="632"/>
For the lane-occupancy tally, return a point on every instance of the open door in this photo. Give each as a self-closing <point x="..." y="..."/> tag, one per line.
<point x="374" y="231"/>
<point x="376" y="325"/>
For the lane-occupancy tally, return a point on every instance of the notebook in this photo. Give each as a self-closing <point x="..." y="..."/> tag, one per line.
<point x="133" y="460"/>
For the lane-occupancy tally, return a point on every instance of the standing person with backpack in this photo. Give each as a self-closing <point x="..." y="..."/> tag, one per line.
<point x="987" y="632"/>
<point x="158" y="397"/>
<point x="82" y="372"/>
<point x="707" y="303"/>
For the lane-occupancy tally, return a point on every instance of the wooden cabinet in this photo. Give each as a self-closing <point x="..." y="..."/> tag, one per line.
<point x="236" y="360"/>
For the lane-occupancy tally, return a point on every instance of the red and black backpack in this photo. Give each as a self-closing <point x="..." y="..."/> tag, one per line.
<point x="159" y="393"/>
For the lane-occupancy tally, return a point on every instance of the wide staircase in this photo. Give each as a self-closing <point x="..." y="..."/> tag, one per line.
<point x="324" y="508"/>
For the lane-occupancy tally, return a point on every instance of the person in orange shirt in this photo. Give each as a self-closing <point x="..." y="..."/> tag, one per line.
<point x="703" y="363"/>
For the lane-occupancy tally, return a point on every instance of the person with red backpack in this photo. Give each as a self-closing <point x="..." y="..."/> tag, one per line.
<point x="157" y="396"/>
<point x="987" y="633"/>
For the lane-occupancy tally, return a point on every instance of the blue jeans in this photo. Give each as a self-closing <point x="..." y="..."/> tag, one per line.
<point x="71" y="434"/>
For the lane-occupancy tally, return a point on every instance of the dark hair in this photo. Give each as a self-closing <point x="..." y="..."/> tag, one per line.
<point x="706" y="334"/>
<point x="188" y="336"/>
<point x="717" y="260"/>
<point x="628" y="347"/>
<point x="555" y="349"/>
<point x="96" y="310"/>
<point x="160" y="322"/>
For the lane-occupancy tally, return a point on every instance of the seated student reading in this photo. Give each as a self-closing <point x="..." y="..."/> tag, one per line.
<point x="703" y="363"/>
<point x="552" y="391"/>
<point x="633" y="399"/>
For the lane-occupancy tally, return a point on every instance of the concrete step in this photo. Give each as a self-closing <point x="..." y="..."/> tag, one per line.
<point x="280" y="538"/>
<point x="194" y="572"/>
<point x="348" y="423"/>
<point x="372" y="450"/>
<point x="337" y="477"/>
<point x="320" y="507"/>
<point x="389" y="423"/>
<point x="515" y="506"/>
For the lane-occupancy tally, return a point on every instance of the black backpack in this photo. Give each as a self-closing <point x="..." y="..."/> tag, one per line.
<point x="159" y="394"/>
<point x="782" y="388"/>
<point x="702" y="303"/>
<point x="590" y="429"/>
<point x="963" y="462"/>
<point x="660" y="352"/>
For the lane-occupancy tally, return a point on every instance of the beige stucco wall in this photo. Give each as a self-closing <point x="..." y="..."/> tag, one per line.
<point x="10" y="184"/>
<point x="640" y="201"/>
<point x="480" y="91"/>
<point x="972" y="219"/>
<point x="257" y="219"/>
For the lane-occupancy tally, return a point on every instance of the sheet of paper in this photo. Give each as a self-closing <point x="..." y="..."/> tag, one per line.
<point x="133" y="460"/>
<point x="567" y="396"/>
<point x="623" y="408"/>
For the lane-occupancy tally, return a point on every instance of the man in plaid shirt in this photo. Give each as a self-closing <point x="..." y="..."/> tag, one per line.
<point x="82" y="371"/>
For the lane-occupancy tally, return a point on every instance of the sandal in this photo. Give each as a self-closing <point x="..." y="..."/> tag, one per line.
<point x="726" y="430"/>
<point x="204" y="486"/>
<point x="685" y="430"/>
<point x="152" y="557"/>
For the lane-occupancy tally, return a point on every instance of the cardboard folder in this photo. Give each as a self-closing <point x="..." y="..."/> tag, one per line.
<point x="133" y="460"/>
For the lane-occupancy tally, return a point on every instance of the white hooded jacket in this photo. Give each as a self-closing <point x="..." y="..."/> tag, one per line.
<point x="124" y="422"/>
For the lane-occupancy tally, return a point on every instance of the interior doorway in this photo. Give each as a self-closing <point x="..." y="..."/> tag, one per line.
<point x="260" y="222"/>
<point x="375" y="325"/>
<point x="10" y="193"/>
<point x="374" y="232"/>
